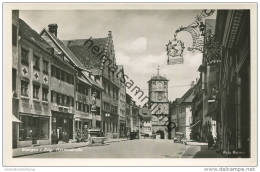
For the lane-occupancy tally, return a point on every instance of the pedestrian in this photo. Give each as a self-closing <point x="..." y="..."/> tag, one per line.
<point x="210" y="140"/>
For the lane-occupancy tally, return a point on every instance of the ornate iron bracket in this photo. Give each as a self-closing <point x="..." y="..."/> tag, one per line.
<point x="196" y="29"/>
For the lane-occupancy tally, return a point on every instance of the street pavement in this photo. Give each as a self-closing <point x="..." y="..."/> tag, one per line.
<point x="144" y="148"/>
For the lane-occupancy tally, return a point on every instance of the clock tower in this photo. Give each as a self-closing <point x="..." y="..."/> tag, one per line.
<point x="159" y="104"/>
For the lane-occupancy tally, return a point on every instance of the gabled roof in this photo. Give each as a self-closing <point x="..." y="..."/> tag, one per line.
<point x="65" y="50"/>
<point x="188" y="96"/>
<point x="84" y="53"/>
<point x="25" y="31"/>
<point x="93" y="82"/>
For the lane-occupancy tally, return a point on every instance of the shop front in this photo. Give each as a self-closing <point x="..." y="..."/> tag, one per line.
<point x="33" y="130"/>
<point x="62" y="127"/>
<point x="122" y="129"/>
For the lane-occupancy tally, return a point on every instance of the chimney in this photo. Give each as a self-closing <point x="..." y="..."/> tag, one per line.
<point x="110" y="34"/>
<point x="53" y="29"/>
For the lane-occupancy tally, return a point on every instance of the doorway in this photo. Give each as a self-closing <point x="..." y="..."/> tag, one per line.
<point x="161" y="133"/>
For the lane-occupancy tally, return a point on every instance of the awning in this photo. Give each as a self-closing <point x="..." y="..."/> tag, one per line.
<point x="196" y="123"/>
<point x="15" y="119"/>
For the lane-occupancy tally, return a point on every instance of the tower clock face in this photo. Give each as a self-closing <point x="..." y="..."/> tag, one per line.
<point x="160" y="85"/>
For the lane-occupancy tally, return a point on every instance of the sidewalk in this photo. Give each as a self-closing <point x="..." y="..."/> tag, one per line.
<point x="25" y="151"/>
<point x="115" y="140"/>
<point x="200" y="152"/>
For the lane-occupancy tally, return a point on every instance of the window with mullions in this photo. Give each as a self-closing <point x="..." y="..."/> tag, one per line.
<point x="36" y="62"/>
<point x="24" y="88"/>
<point x="36" y="89"/>
<point x="67" y="101"/>
<point x="62" y="75"/>
<point x="58" y="73"/>
<point x="83" y="107"/>
<point x="25" y="57"/>
<point x="45" y="92"/>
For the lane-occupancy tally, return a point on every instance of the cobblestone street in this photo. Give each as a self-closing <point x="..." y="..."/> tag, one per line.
<point x="146" y="148"/>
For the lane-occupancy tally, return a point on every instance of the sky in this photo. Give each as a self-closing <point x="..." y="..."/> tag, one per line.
<point x="139" y="38"/>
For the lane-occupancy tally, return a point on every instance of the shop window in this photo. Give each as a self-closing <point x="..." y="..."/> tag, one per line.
<point x="43" y="129"/>
<point x="45" y="67"/>
<point x="25" y="57"/>
<point x="25" y="128"/>
<point x="24" y="88"/>
<point x="45" y="92"/>
<point x="37" y="128"/>
<point x="36" y="62"/>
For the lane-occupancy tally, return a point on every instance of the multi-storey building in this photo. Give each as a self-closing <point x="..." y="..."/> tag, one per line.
<point x="122" y="104"/>
<point x="173" y="118"/>
<point x="15" y="62"/>
<point x="197" y="114"/>
<point x="184" y="113"/>
<point x="208" y="70"/>
<point x="233" y="34"/>
<point x="134" y="118"/>
<point x="33" y="87"/>
<point x="71" y="88"/>
<point x="159" y="104"/>
<point x="128" y="114"/>
<point x="98" y="56"/>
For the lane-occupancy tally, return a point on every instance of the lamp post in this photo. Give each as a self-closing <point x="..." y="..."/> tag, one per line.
<point x="107" y="116"/>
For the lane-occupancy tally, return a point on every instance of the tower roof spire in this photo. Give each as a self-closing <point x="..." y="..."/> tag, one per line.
<point x="158" y="70"/>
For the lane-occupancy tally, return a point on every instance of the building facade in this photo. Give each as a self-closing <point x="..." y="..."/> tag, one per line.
<point x="197" y="114"/>
<point x="184" y="113"/>
<point x="33" y="87"/>
<point x="15" y="87"/>
<point x="122" y="104"/>
<point x="98" y="56"/>
<point x="234" y="81"/>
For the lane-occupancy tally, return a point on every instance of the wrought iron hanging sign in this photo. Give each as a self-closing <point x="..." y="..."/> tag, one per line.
<point x="175" y="47"/>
